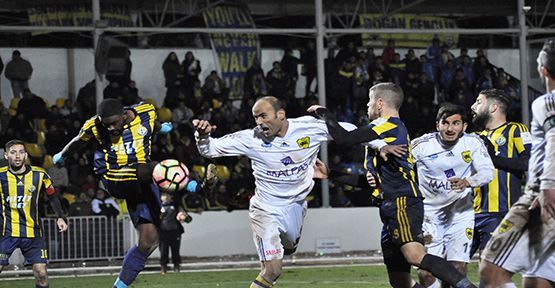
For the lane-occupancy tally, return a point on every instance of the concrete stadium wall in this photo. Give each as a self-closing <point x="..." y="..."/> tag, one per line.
<point x="59" y="72"/>
<point x="223" y="233"/>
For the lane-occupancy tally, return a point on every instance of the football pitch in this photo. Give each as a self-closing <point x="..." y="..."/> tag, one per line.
<point x="329" y="276"/>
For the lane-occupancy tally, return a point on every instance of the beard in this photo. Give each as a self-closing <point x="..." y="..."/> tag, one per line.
<point x="480" y="120"/>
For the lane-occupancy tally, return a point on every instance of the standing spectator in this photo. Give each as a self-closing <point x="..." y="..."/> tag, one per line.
<point x="190" y="68"/>
<point x="18" y="71"/>
<point x="1" y="69"/>
<point x="412" y="63"/>
<point x="428" y="68"/>
<point x="289" y="64"/>
<point x="346" y="53"/>
<point x="86" y="101"/>
<point x="31" y="105"/>
<point x="103" y="204"/>
<point x="388" y="52"/>
<point x="278" y="80"/>
<point x="251" y="72"/>
<point x="214" y="87"/>
<point x="308" y="59"/>
<point x="173" y="77"/>
<point x="170" y="232"/>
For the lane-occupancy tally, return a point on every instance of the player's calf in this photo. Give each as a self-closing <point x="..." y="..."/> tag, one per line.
<point x="492" y="275"/>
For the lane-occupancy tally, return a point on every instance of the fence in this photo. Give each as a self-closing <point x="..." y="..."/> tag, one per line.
<point x="88" y="238"/>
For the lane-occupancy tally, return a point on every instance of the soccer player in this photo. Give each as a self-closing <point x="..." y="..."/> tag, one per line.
<point x="283" y="153"/>
<point x="509" y="145"/>
<point x="449" y="163"/>
<point x="20" y="188"/>
<point x="124" y="137"/>
<point x="402" y="209"/>
<point x="524" y="240"/>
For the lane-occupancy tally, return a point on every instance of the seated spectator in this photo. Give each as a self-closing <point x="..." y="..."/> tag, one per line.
<point x="81" y="206"/>
<point x="103" y="204"/>
<point x="214" y="87"/>
<point x="58" y="174"/>
<point x="31" y="105"/>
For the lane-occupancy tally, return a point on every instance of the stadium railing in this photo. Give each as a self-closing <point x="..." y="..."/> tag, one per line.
<point x="88" y="238"/>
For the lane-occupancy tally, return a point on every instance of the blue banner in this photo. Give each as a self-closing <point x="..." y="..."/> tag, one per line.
<point x="234" y="51"/>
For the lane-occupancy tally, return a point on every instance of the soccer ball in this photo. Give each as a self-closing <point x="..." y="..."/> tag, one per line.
<point x="170" y="175"/>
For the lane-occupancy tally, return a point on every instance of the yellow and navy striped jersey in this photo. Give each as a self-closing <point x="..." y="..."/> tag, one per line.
<point x="20" y="197"/>
<point x="510" y="140"/>
<point x="396" y="176"/>
<point x="118" y="156"/>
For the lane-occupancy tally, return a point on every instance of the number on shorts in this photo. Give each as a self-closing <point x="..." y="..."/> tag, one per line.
<point x="43" y="254"/>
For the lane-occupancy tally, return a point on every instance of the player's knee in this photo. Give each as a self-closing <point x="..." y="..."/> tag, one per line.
<point x="492" y="275"/>
<point x="41" y="277"/>
<point x="400" y="280"/>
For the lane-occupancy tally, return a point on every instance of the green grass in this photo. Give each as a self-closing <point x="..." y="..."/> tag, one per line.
<point x="328" y="277"/>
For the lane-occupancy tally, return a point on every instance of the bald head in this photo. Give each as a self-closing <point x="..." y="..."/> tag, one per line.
<point x="389" y="92"/>
<point x="273" y="101"/>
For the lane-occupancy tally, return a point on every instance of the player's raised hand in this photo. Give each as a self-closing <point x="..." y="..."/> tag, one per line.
<point x="458" y="184"/>
<point x="395" y="150"/>
<point x="371" y="179"/>
<point x="318" y="110"/>
<point x="57" y="158"/>
<point x="62" y="225"/>
<point x="203" y="127"/>
<point x="321" y="171"/>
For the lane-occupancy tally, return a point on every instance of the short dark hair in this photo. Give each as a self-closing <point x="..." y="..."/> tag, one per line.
<point x="16" y="53"/>
<point x="449" y="109"/>
<point x="13" y="142"/>
<point x="390" y="92"/>
<point x="499" y="97"/>
<point x="546" y="57"/>
<point x="110" y="107"/>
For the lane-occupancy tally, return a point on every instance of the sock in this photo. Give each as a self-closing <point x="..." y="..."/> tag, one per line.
<point x="416" y="285"/>
<point x="133" y="263"/>
<point x="38" y="286"/>
<point x="436" y="284"/>
<point x="507" y="285"/>
<point x="260" y="282"/>
<point x="443" y="270"/>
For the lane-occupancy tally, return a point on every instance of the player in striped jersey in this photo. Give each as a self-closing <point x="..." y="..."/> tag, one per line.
<point x="509" y="145"/>
<point x="124" y="137"/>
<point x="524" y="241"/>
<point x="20" y="190"/>
<point x="402" y="209"/>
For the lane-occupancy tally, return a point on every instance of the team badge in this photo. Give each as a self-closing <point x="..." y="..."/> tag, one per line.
<point x="142" y="131"/>
<point x="32" y="189"/>
<point x="504" y="226"/>
<point x="303" y="142"/>
<point x="450" y="173"/>
<point x="501" y="140"/>
<point x="469" y="233"/>
<point x="466" y="156"/>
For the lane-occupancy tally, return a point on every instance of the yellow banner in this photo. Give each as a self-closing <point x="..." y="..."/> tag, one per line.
<point x="408" y="22"/>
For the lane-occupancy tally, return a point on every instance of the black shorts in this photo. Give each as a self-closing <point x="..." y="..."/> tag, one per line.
<point x="142" y="199"/>
<point x="402" y="219"/>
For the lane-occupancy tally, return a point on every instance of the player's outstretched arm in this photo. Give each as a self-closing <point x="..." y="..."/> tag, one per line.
<point x="74" y="145"/>
<point x="340" y="134"/>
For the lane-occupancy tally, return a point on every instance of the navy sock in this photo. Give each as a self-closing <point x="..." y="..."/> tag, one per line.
<point x="443" y="270"/>
<point x="417" y="286"/>
<point x="133" y="263"/>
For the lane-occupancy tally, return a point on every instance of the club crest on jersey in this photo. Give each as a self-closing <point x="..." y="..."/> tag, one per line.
<point x="504" y="226"/>
<point x="142" y="131"/>
<point x="304" y="142"/>
<point x="32" y="189"/>
<point x="501" y="140"/>
<point x="287" y="160"/>
<point x="466" y="156"/>
<point x="469" y="233"/>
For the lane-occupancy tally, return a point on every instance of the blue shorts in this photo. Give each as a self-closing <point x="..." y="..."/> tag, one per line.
<point x="484" y="225"/>
<point x="33" y="249"/>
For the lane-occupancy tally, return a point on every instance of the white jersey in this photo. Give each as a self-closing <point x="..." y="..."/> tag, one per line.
<point x="541" y="168"/>
<point x="283" y="169"/>
<point x="435" y="164"/>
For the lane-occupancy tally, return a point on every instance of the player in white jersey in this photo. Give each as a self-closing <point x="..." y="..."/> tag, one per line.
<point x="449" y="163"/>
<point x="283" y="152"/>
<point x="524" y="241"/>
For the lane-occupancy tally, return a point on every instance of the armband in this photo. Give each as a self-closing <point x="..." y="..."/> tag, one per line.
<point x="549" y="123"/>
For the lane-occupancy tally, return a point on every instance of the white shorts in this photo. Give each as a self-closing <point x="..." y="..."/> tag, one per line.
<point x="448" y="230"/>
<point x="276" y="228"/>
<point x="522" y="243"/>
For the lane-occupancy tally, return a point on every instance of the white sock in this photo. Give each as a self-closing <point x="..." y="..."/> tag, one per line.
<point x="507" y="285"/>
<point x="436" y="284"/>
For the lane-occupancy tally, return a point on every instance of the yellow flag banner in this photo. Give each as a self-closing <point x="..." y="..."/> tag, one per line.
<point x="235" y="52"/>
<point x="409" y="22"/>
<point x="78" y="14"/>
